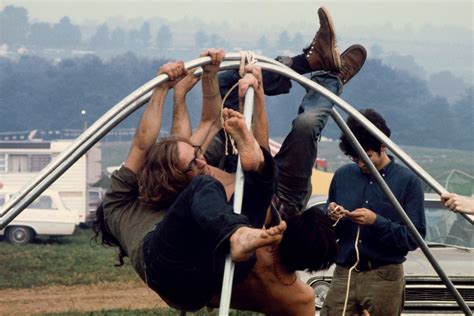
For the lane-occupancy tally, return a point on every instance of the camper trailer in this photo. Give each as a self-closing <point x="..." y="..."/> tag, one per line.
<point x="21" y="161"/>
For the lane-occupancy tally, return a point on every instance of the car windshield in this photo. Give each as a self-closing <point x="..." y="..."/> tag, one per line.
<point x="448" y="228"/>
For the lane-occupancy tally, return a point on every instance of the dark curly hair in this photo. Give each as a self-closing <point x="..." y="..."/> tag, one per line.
<point x="309" y="242"/>
<point x="365" y="138"/>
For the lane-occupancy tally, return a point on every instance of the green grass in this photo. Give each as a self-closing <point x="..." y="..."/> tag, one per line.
<point x="144" y="312"/>
<point x="434" y="160"/>
<point x="60" y="261"/>
<point x="72" y="261"/>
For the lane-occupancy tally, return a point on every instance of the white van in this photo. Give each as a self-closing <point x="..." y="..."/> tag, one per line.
<point x="45" y="216"/>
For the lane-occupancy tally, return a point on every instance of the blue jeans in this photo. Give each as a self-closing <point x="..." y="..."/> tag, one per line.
<point x="273" y="84"/>
<point x="299" y="150"/>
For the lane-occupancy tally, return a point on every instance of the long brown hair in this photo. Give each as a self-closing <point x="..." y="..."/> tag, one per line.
<point x="160" y="180"/>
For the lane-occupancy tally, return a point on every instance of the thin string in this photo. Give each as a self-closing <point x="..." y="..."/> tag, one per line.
<point x="246" y="58"/>
<point x="356" y="247"/>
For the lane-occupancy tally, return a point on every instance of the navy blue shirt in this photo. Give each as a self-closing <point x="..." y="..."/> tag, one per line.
<point x="388" y="240"/>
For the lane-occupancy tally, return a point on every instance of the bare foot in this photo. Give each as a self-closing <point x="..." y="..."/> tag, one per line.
<point x="251" y="155"/>
<point x="245" y="240"/>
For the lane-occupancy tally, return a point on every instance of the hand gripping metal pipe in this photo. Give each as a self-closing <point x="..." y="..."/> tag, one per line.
<point x="140" y="96"/>
<point x="90" y="137"/>
<point x="228" y="278"/>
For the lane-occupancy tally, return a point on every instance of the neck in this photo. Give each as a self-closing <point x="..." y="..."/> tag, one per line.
<point x="385" y="161"/>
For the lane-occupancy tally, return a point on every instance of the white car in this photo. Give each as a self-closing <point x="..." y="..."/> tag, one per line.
<point x="45" y="216"/>
<point x="450" y="238"/>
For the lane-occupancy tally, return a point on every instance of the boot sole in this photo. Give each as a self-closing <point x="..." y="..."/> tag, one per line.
<point x="355" y="47"/>
<point x="334" y="52"/>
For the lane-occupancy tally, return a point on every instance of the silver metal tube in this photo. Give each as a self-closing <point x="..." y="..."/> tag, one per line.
<point x="346" y="107"/>
<point x="88" y="134"/>
<point x="228" y="278"/>
<point x="121" y="111"/>
<point x="393" y="200"/>
<point x="68" y="161"/>
<point x="109" y="115"/>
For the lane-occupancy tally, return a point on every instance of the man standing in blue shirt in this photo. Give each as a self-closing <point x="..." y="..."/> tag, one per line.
<point x="356" y="202"/>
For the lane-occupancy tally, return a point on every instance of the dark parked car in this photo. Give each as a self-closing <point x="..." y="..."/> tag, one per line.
<point x="450" y="238"/>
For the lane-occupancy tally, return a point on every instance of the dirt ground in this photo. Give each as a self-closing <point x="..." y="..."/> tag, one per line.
<point x="78" y="298"/>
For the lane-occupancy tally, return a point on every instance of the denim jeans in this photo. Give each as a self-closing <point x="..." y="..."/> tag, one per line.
<point x="273" y="84"/>
<point x="298" y="152"/>
<point x="299" y="149"/>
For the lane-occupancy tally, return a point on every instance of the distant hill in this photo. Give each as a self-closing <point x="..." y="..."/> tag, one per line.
<point x="36" y="93"/>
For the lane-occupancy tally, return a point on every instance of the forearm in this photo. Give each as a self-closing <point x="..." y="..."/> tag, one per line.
<point x="260" y="121"/>
<point x="150" y="123"/>
<point x="394" y="234"/>
<point x="180" y="125"/>
<point x="147" y="130"/>
<point x="211" y="110"/>
<point x="211" y="97"/>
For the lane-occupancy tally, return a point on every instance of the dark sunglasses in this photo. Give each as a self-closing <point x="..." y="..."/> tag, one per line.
<point x="193" y="163"/>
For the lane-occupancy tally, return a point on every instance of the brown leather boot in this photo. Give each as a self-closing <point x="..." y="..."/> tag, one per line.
<point x="322" y="54"/>
<point x="352" y="60"/>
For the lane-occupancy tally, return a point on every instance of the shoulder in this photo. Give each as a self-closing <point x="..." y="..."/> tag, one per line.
<point x="404" y="173"/>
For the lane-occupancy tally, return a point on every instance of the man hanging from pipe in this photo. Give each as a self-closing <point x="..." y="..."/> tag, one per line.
<point x="196" y="252"/>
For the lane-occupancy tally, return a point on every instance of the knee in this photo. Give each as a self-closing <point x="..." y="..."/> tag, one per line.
<point x="310" y="123"/>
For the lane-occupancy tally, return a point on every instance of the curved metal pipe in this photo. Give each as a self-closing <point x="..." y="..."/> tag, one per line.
<point x="89" y="133"/>
<point x="128" y="105"/>
<point x="229" y="266"/>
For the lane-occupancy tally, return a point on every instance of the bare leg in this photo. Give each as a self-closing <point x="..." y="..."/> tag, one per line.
<point x="251" y="155"/>
<point x="245" y="240"/>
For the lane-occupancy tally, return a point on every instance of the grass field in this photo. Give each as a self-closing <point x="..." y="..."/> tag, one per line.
<point x="434" y="160"/>
<point x="69" y="260"/>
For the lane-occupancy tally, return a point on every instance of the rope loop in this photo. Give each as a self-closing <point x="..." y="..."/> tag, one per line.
<point x="246" y="58"/>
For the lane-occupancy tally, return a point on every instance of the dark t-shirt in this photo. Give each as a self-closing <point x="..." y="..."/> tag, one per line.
<point x="127" y="218"/>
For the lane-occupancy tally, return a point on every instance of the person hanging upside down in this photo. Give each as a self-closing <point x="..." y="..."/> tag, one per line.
<point x="169" y="212"/>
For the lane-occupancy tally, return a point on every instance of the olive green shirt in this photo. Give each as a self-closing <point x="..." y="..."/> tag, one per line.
<point x="127" y="218"/>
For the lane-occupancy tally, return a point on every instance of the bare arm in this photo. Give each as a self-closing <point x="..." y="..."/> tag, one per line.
<point x="210" y="122"/>
<point x="150" y="122"/>
<point x="458" y="203"/>
<point x="181" y="125"/>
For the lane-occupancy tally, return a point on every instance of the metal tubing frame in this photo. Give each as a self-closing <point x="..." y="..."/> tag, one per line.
<point x="139" y="97"/>
<point x="393" y="200"/>
<point x="228" y="277"/>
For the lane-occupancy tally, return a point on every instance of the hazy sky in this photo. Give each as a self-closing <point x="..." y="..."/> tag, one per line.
<point x="355" y="12"/>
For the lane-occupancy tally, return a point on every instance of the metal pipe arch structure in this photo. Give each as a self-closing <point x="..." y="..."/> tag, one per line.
<point x="140" y="96"/>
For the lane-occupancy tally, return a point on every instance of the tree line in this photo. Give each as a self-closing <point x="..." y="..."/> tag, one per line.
<point x="37" y="93"/>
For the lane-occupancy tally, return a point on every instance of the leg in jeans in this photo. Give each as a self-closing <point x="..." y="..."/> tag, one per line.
<point x="274" y="84"/>
<point x="299" y="149"/>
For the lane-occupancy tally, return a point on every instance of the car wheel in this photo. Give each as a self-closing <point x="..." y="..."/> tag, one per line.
<point x="20" y="235"/>
<point x="320" y="289"/>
